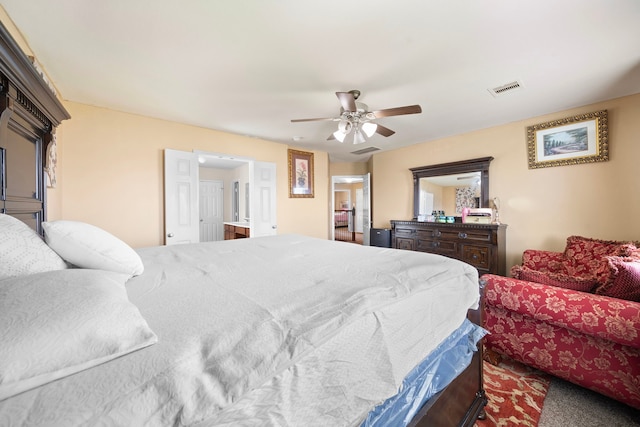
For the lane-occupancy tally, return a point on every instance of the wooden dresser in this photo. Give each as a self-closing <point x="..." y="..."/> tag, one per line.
<point x="232" y="231"/>
<point x="481" y="245"/>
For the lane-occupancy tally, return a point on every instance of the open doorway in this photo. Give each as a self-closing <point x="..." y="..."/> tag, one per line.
<point x="221" y="198"/>
<point x="251" y="208"/>
<point x="351" y="209"/>
<point x="186" y="174"/>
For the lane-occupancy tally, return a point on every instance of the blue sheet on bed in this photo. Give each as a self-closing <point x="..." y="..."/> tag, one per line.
<point x="432" y="375"/>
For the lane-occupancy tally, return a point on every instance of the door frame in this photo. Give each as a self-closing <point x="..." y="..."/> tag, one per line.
<point x="347" y="179"/>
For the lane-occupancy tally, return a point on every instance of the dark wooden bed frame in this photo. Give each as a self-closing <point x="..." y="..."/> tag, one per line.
<point x="462" y="402"/>
<point x="29" y="114"/>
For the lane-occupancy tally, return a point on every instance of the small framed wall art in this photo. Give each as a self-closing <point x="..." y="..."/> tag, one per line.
<point x="570" y="141"/>
<point x="300" y="173"/>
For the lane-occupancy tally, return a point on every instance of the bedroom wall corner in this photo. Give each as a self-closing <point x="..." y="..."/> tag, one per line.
<point x="15" y="32"/>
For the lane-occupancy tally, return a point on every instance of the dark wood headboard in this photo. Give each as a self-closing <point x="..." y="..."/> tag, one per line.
<point x="29" y="114"/>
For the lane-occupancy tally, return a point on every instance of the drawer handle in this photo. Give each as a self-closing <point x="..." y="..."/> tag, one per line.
<point x="436" y="233"/>
<point x="435" y="244"/>
<point x="462" y="235"/>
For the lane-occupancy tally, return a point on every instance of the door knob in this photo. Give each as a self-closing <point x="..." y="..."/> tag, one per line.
<point x="274" y="226"/>
<point x="170" y="235"/>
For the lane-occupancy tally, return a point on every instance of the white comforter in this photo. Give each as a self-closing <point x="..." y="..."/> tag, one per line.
<point x="284" y="330"/>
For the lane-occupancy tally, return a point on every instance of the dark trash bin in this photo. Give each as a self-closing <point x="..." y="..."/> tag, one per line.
<point x="380" y="237"/>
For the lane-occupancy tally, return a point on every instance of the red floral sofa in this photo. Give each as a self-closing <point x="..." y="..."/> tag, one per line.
<point x="574" y="314"/>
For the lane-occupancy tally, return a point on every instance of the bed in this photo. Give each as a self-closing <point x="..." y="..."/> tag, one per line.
<point x="341" y="218"/>
<point x="265" y="331"/>
<point x="283" y="330"/>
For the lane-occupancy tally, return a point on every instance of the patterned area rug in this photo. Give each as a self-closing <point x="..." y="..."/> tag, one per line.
<point x="515" y="392"/>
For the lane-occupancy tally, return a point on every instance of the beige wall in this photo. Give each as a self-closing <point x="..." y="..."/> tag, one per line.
<point x="542" y="207"/>
<point x="347" y="169"/>
<point x="342" y="195"/>
<point x="110" y="173"/>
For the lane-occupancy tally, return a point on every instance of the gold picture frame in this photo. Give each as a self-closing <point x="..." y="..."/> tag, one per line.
<point x="570" y="141"/>
<point x="300" y="167"/>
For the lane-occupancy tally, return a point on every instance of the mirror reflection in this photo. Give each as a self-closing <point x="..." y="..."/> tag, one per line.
<point x="449" y="194"/>
<point x="448" y="188"/>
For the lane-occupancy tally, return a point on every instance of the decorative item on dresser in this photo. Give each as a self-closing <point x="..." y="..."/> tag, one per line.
<point x="481" y="245"/>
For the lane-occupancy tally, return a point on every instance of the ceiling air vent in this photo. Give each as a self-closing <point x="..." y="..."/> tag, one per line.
<point x="366" y="150"/>
<point x="507" y="88"/>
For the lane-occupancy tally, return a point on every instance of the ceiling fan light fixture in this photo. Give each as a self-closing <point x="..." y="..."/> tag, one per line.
<point x="356" y="118"/>
<point x="369" y="129"/>
<point x="345" y="126"/>
<point x="339" y="135"/>
<point x="358" y="137"/>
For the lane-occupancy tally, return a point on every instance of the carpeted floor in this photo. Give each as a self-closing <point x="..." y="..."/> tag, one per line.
<point x="569" y="405"/>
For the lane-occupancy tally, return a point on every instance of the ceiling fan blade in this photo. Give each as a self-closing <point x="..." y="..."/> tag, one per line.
<point x="347" y="100"/>
<point x="384" y="131"/>
<point x="398" y="111"/>
<point x="312" y="120"/>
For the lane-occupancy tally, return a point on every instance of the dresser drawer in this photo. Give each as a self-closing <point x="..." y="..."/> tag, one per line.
<point x="474" y="235"/>
<point x="437" y="234"/>
<point x="440" y="246"/>
<point x="405" y="232"/>
<point x="404" y="243"/>
<point x="478" y="256"/>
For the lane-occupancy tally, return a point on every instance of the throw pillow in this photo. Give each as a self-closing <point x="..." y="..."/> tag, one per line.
<point x="87" y="246"/>
<point x="624" y="279"/>
<point x="583" y="284"/>
<point x="587" y="256"/>
<point x="22" y="250"/>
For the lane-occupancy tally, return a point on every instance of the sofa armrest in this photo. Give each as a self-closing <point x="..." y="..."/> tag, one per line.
<point x="596" y="315"/>
<point x="544" y="261"/>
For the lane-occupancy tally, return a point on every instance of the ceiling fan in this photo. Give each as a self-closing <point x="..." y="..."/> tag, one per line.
<point x="355" y="117"/>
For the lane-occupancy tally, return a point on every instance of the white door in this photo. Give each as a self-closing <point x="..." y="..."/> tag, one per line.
<point x="211" y="211"/>
<point x="366" y="209"/>
<point x="180" y="197"/>
<point x="263" y="199"/>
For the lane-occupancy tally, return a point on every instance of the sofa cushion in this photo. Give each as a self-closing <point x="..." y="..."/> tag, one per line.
<point x="584" y="284"/>
<point x="624" y="279"/>
<point x="588" y="257"/>
<point x="541" y="260"/>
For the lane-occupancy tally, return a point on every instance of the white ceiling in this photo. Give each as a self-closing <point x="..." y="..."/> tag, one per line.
<point x="249" y="67"/>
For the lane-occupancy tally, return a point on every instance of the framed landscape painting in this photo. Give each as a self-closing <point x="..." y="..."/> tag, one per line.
<point x="300" y="173"/>
<point x="570" y="141"/>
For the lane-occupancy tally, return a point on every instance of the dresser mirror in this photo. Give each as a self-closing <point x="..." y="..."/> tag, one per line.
<point x="448" y="187"/>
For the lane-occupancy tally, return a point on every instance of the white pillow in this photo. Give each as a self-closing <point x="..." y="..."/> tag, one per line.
<point x="58" y="323"/>
<point x="87" y="246"/>
<point x="22" y="250"/>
